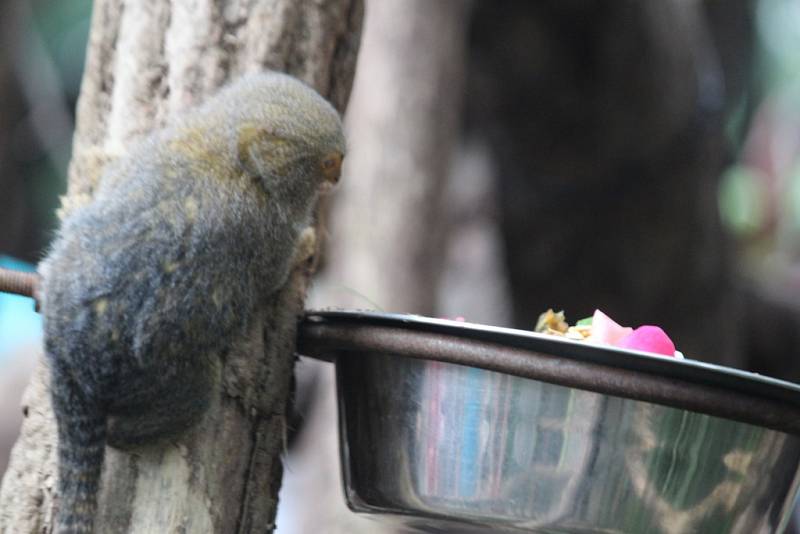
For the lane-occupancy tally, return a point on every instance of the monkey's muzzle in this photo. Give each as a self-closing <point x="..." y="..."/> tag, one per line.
<point x="332" y="167"/>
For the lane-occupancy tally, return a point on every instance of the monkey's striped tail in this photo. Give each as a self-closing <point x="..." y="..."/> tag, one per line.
<point x="81" y="446"/>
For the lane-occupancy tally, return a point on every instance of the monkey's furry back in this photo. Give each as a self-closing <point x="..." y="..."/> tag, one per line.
<point x="148" y="285"/>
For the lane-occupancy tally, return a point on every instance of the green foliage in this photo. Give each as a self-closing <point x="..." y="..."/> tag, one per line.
<point x="741" y="200"/>
<point x="793" y="199"/>
<point x="64" y="30"/>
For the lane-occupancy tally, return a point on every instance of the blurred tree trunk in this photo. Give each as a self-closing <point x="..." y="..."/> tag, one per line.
<point x="18" y="237"/>
<point x="402" y="126"/>
<point x="385" y="247"/>
<point x="606" y="120"/>
<point x="146" y="61"/>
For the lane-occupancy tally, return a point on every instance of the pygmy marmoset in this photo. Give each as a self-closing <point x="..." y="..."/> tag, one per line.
<point x="185" y="238"/>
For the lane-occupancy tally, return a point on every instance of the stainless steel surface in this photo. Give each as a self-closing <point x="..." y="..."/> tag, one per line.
<point x="689" y="370"/>
<point x="452" y="448"/>
<point x="453" y="427"/>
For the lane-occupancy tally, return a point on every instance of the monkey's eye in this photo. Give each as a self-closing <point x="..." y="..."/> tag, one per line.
<point x="332" y="167"/>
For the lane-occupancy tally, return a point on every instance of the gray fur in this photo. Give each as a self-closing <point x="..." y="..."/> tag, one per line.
<point x="148" y="284"/>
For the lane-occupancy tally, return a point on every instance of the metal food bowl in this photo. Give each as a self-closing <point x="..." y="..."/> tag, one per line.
<point x="453" y="427"/>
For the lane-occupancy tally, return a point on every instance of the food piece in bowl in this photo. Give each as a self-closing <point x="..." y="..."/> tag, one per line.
<point x="649" y="339"/>
<point x="603" y="330"/>
<point x="606" y="331"/>
<point x="551" y="322"/>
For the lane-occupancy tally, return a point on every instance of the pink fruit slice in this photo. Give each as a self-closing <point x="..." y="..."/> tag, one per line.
<point x="648" y="339"/>
<point x="606" y="331"/>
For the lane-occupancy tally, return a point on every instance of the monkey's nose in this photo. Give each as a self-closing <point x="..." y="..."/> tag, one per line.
<point x="332" y="167"/>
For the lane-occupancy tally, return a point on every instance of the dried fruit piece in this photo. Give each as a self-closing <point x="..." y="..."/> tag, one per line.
<point x="551" y="320"/>
<point x="580" y="332"/>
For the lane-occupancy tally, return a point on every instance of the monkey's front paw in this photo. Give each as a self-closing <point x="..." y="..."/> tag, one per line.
<point x="306" y="248"/>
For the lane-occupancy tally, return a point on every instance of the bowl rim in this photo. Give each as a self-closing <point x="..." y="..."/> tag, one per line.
<point x="683" y="383"/>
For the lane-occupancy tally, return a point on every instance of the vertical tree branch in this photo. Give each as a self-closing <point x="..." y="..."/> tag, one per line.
<point x="386" y="239"/>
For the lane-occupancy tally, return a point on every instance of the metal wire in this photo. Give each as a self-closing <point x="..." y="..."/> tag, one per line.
<point x="20" y="283"/>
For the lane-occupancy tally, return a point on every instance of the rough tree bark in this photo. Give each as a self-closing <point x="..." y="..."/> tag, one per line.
<point x="146" y="61"/>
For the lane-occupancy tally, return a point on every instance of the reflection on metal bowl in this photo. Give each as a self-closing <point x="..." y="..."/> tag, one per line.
<point x="446" y="447"/>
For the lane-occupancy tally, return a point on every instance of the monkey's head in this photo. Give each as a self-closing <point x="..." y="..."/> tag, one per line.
<point x="284" y="133"/>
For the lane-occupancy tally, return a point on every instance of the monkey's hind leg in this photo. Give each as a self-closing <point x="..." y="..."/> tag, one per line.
<point x="81" y="446"/>
<point x="160" y="416"/>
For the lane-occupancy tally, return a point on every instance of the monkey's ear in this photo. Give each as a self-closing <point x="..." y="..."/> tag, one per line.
<point x="254" y="143"/>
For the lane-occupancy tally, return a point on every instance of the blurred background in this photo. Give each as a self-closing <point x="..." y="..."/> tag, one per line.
<point x="641" y="157"/>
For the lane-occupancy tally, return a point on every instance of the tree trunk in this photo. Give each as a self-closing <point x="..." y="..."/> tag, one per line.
<point x="146" y="61"/>
<point x="385" y="249"/>
<point x="403" y="126"/>
<point x="605" y="120"/>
